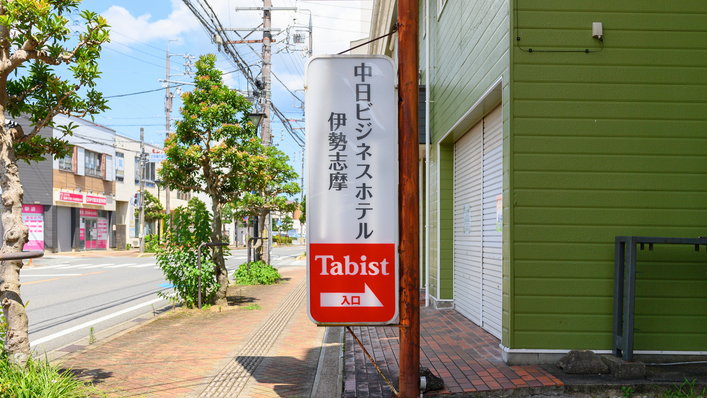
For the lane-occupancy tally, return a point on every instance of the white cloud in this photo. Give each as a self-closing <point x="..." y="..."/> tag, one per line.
<point x="227" y="78"/>
<point x="179" y="21"/>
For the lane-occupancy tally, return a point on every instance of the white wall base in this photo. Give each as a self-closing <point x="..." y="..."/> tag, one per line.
<point x="519" y="357"/>
<point x="436" y="303"/>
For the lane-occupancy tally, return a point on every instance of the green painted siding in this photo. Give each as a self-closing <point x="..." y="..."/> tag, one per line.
<point x="470" y="52"/>
<point x="603" y="144"/>
<point x="434" y="223"/>
<point x="446" y="219"/>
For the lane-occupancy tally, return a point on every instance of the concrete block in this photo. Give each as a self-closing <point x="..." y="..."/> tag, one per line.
<point x="624" y="370"/>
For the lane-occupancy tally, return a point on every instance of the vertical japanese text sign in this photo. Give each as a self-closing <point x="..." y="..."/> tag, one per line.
<point x="352" y="190"/>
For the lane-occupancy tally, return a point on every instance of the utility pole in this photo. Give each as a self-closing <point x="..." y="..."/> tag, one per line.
<point x="143" y="157"/>
<point x="265" y="126"/>
<point x="267" y="68"/>
<point x="265" y="131"/>
<point x="168" y="104"/>
<point x="408" y="139"/>
<point x="168" y="110"/>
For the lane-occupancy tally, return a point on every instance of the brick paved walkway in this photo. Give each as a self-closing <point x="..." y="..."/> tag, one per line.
<point x="466" y="357"/>
<point x="179" y="354"/>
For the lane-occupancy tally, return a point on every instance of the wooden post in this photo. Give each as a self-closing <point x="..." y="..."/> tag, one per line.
<point x="409" y="200"/>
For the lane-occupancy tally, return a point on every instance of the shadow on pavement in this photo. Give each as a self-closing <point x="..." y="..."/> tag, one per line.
<point x="286" y="376"/>
<point x="95" y="376"/>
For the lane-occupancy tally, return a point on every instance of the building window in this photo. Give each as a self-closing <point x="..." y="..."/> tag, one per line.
<point x="150" y="171"/>
<point x="119" y="166"/>
<point x="92" y="163"/>
<point x="183" y="195"/>
<point x="66" y="163"/>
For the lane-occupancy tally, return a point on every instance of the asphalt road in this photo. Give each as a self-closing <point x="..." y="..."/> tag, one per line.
<point x="66" y="296"/>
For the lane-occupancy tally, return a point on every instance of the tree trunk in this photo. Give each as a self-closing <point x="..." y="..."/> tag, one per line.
<point x="14" y="238"/>
<point x="267" y="227"/>
<point x="263" y="229"/>
<point x="220" y="271"/>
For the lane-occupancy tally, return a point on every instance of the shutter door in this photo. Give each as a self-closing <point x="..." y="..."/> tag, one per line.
<point x="467" y="224"/>
<point x="492" y="264"/>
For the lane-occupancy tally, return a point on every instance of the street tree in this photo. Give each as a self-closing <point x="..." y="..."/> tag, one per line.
<point x="287" y="223"/>
<point x="271" y="180"/>
<point x="303" y="210"/>
<point x="212" y="150"/>
<point x="35" y="37"/>
<point x="154" y="211"/>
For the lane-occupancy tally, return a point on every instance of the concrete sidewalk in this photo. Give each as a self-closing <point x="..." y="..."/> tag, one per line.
<point x="262" y="345"/>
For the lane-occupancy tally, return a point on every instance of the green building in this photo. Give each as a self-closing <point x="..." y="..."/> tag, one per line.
<point x="556" y="126"/>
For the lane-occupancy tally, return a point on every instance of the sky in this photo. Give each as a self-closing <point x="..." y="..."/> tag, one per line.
<point x="135" y="59"/>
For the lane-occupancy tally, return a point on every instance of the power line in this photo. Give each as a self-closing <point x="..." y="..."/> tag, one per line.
<point x="135" y="49"/>
<point x="139" y="92"/>
<point x="133" y="125"/>
<point x="136" y="58"/>
<point x="133" y="39"/>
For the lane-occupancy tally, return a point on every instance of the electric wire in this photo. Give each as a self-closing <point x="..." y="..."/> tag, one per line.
<point x="133" y="39"/>
<point x="136" y="58"/>
<point x="143" y="92"/>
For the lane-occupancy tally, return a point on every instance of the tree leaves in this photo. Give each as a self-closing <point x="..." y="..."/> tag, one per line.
<point x="36" y="38"/>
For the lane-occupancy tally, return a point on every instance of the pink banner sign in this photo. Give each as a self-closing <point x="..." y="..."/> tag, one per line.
<point x="102" y="225"/>
<point x="88" y="213"/>
<point x="32" y="209"/>
<point x="33" y="218"/>
<point x="71" y="197"/>
<point x="96" y="200"/>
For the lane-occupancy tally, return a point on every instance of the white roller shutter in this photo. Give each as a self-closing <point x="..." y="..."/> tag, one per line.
<point x="492" y="239"/>
<point x="478" y="260"/>
<point x="467" y="224"/>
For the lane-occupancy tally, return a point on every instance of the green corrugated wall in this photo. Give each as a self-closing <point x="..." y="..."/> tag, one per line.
<point x="608" y="143"/>
<point x="469" y="52"/>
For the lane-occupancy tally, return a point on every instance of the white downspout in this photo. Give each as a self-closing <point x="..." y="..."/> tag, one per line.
<point x="427" y="152"/>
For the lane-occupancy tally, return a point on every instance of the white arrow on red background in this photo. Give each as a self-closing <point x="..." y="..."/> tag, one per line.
<point x="365" y="299"/>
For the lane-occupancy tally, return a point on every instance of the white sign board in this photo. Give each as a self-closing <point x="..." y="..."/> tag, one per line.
<point x="157" y="157"/>
<point x="352" y="190"/>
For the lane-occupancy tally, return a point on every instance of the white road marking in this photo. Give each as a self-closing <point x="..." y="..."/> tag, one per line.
<point x="26" y="276"/>
<point x="47" y="267"/>
<point x="91" y="323"/>
<point x="65" y="266"/>
<point x="142" y="265"/>
<point x="98" y="265"/>
<point x="122" y="265"/>
<point x="77" y="266"/>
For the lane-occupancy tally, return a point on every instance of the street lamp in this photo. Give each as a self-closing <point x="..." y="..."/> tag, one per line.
<point x="256" y="118"/>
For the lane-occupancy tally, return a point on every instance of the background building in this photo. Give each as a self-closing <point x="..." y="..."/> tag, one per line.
<point x="84" y="188"/>
<point x="128" y="185"/>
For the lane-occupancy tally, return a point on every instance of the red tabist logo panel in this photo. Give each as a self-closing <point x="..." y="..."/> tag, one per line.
<point x="352" y="283"/>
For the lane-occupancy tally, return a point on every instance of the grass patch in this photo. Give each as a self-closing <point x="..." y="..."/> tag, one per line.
<point x="252" y="307"/>
<point x="686" y="390"/>
<point x="259" y="274"/>
<point x="41" y="379"/>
